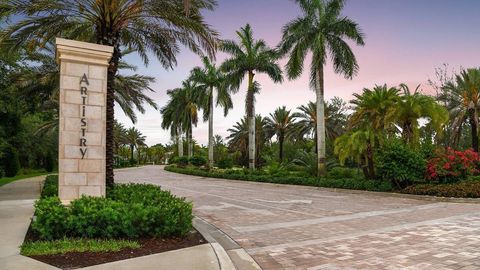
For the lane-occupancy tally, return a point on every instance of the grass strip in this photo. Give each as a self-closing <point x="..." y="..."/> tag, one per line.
<point x="75" y="245"/>
<point x="6" y="180"/>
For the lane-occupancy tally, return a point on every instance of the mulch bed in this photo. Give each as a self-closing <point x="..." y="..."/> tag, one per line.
<point x="149" y="246"/>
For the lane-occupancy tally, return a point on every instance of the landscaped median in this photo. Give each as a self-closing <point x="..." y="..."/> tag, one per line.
<point x="133" y="220"/>
<point x="469" y="188"/>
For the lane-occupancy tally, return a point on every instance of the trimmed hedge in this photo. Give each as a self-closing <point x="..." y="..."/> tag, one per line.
<point x="345" y="183"/>
<point x="129" y="211"/>
<point x="50" y="186"/>
<point x="464" y="189"/>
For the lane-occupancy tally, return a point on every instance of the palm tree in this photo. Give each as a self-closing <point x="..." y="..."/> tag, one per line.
<point x="413" y="106"/>
<point x="373" y="107"/>
<point x="239" y="138"/>
<point x="249" y="57"/>
<point x="323" y="31"/>
<point x="359" y="145"/>
<point x="462" y="98"/>
<point x="156" y="26"/>
<point x="210" y="79"/>
<point x="335" y="119"/>
<point x="280" y="123"/>
<point x="119" y="135"/>
<point x="135" y="140"/>
<point x="181" y="112"/>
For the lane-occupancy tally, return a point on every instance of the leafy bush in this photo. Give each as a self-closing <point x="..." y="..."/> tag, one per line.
<point x="452" y="166"/>
<point x="343" y="172"/>
<point x="225" y="163"/>
<point x="463" y="189"/>
<point x="52" y="219"/>
<point x="129" y="211"/>
<point x="400" y="164"/>
<point x="133" y="162"/>
<point x="182" y="161"/>
<point x="173" y="160"/>
<point x="198" y="161"/>
<point x="50" y="186"/>
<point x="10" y="161"/>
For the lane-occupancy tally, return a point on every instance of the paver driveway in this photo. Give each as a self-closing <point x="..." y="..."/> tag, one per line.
<point x="294" y="227"/>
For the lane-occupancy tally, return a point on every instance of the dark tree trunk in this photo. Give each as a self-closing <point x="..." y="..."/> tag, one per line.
<point x="280" y="144"/>
<point x="474" y="125"/>
<point x="370" y="163"/>
<point x="131" y="152"/>
<point x="112" y="70"/>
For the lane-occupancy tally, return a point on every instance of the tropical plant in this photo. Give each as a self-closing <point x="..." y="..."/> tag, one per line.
<point x="358" y="145"/>
<point x="135" y="140"/>
<point x="322" y="30"/>
<point x="238" y="139"/>
<point x="280" y="123"/>
<point x="211" y="82"/>
<point x="462" y="99"/>
<point x="373" y="107"/>
<point x="413" y="106"/>
<point x="250" y="57"/>
<point x="157" y="26"/>
<point x="181" y="111"/>
<point x="119" y="135"/>
<point x="335" y="119"/>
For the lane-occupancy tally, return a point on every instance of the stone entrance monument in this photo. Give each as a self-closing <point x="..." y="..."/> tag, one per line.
<point x="82" y="118"/>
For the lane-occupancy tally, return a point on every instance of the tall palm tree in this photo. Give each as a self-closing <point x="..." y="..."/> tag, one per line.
<point x="247" y="58"/>
<point x="181" y="112"/>
<point x="239" y="138"/>
<point x="156" y="26"/>
<point x="211" y="81"/>
<point x="411" y="107"/>
<point x="462" y="98"/>
<point x="135" y="140"/>
<point x="280" y="123"/>
<point x="323" y="31"/>
<point x="171" y="120"/>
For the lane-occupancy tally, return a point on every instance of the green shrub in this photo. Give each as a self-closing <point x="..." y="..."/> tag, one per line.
<point x="50" y="186"/>
<point x="225" y="163"/>
<point x="463" y="189"/>
<point x="343" y="172"/>
<point x="52" y="219"/>
<point x="247" y="175"/>
<point x="449" y="166"/>
<point x="133" y="162"/>
<point x="198" y="161"/>
<point x="182" y="161"/>
<point x="129" y="211"/>
<point x="400" y="164"/>
<point x="173" y="160"/>
<point x="10" y="161"/>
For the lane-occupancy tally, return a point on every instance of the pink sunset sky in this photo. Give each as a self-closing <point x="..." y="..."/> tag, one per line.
<point x="405" y="41"/>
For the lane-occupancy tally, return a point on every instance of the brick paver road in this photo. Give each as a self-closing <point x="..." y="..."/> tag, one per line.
<point x="294" y="227"/>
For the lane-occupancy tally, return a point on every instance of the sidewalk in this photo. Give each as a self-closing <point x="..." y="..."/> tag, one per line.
<point x="16" y="209"/>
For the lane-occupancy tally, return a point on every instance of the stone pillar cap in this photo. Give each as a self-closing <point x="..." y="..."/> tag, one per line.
<point x="84" y="52"/>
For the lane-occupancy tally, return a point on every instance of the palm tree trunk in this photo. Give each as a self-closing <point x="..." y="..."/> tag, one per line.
<point x="280" y="144"/>
<point x="180" y="142"/>
<point x="131" y="152"/>
<point x="190" y="141"/>
<point x="251" y="122"/>
<point x="474" y="125"/>
<point x="370" y="162"/>
<point x="322" y="168"/>
<point x="210" y="130"/>
<point x="110" y="118"/>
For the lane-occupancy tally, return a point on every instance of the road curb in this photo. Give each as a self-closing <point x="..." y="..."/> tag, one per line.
<point x="230" y="255"/>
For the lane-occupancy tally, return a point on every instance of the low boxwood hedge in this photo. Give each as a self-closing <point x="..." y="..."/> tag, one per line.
<point x="346" y="183"/>
<point x="128" y="211"/>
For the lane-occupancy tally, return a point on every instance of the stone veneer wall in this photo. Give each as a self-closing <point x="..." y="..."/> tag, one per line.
<point x="82" y="65"/>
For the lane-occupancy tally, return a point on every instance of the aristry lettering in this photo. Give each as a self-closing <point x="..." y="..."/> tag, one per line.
<point x="83" y="120"/>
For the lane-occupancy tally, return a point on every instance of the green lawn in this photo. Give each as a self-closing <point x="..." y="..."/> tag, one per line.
<point x="74" y="245"/>
<point x="6" y="180"/>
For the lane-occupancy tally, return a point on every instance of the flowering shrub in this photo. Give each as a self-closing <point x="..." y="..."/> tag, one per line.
<point x="452" y="165"/>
